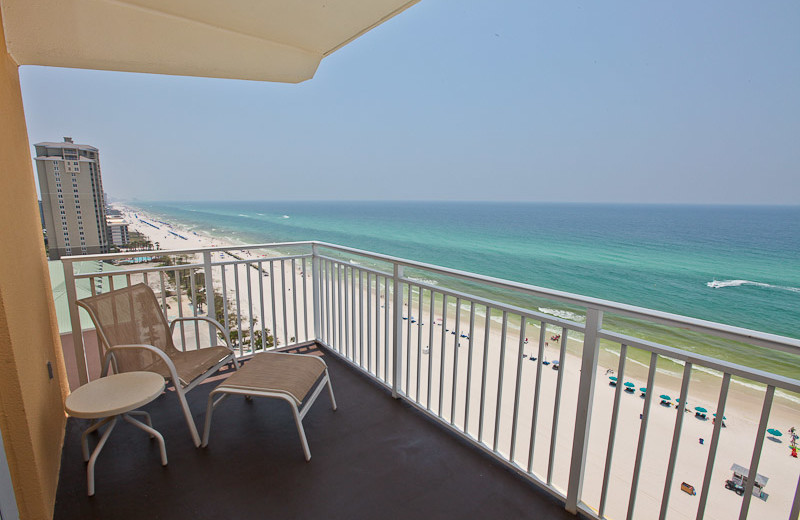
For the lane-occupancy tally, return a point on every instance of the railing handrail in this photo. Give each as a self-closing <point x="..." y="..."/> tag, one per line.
<point x="178" y="267"/>
<point x="742" y="334"/>
<point x="753" y="337"/>
<point x="333" y="286"/>
<point x="138" y="270"/>
<point x="754" y="374"/>
<point x="767" y="378"/>
<point x="162" y="252"/>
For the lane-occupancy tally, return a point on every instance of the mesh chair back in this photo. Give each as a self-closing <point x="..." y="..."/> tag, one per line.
<point x="128" y="316"/>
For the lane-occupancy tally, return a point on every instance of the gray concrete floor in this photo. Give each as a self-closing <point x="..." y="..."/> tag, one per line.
<point x="376" y="457"/>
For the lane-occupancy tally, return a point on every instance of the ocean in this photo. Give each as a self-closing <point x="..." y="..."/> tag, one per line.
<point x="738" y="265"/>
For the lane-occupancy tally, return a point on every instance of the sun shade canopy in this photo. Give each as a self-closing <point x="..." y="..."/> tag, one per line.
<point x="266" y="40"/>
<point x="761" y="480"/>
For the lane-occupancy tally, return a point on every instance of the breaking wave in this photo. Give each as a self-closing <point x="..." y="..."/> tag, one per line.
<point x="718" y="284"/>
<point x="427" y="281"/>
<point x="566" y="315"/>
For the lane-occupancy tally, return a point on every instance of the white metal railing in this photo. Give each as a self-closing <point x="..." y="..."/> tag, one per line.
<point x="461" y="358"/>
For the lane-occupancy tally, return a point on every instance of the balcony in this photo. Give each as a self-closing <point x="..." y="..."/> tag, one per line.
<point x="500" y="410"/>
<point x="375" y="457"/>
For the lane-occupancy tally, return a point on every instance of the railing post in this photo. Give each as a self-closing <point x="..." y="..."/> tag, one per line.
<point x="75" y="321"/>
<point x="397" y="341"/>
<point x="316" y="281"/>
<point x="583" y="413"/>
<point x="210" y="307"/>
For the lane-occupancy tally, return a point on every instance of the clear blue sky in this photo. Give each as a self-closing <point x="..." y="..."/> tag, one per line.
<point x="664" y="102"/>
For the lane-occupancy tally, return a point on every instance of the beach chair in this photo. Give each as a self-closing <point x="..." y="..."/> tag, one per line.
<point x="134" y="334"/>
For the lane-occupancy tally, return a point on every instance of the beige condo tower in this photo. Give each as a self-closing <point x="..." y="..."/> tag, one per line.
<point x="72" y="198"/>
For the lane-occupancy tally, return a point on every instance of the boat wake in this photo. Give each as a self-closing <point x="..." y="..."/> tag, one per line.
<point x="718" y="284"/>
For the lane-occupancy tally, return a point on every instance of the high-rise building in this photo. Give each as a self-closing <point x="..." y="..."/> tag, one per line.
<point x="118" y="229"/>
<point x="72" y="198"/>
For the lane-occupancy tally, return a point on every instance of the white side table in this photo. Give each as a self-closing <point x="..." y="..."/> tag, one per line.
<point x="108" y="398"/>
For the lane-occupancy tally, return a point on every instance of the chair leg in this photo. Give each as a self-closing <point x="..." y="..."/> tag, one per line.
<point x="209" y="411"/>
<point x="207" y="425"/>
<point x="299" y="422"/>
<point x="330" y="389"/>
<point x="187" y="413"/>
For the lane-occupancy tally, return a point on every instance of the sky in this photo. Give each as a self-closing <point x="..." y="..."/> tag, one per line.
<point x="562" y="101"/>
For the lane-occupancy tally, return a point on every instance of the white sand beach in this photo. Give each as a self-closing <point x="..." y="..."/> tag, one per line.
<point x="262" y="275"/>
<point x="736" y="441"/>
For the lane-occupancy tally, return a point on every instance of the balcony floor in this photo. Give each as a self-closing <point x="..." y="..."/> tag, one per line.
<point x="376" y="457"/>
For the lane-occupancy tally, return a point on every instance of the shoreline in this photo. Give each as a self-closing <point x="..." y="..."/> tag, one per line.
<point x="742" y="410"/>
<point x="609" y="351"/>
<point x="268" y="227"/>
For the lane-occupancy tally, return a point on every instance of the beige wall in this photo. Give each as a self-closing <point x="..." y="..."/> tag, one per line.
<point x="31" y="404"/>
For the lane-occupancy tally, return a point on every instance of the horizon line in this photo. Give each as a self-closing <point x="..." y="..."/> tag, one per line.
<point x="470" y="201"/>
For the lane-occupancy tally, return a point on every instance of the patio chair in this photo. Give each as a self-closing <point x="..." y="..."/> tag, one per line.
<point x="134" y="334"/>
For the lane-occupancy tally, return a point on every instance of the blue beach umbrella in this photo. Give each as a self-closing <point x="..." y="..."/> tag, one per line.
<point x="643" y="390"/>
<point x="723" y="417"/>
<point x="700" y="409"/>
<point x="629" y="384"/>
<point x="773" y="431"/>
<point x="613" y="378"/>
<point x="665" y="397"/>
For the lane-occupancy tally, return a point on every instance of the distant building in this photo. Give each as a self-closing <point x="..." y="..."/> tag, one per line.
<point x="44" y="229"/>
<point x="72" y="198"/>
<point x="118" y="229"/>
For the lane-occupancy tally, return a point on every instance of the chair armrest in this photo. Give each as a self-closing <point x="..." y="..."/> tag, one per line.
<point x="160" y="353"/>
<point x="225" y="335"/>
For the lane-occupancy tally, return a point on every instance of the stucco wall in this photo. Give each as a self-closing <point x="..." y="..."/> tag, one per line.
<point x="31" y="404"/>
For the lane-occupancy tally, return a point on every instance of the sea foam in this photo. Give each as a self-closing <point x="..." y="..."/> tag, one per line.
<point x="427" y="281"/>
<point x="566" y="315"/>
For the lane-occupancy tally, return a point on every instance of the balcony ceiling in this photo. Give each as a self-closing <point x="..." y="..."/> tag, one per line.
<point x="265" y="40"/>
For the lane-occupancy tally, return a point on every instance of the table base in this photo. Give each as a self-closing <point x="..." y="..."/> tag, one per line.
<point x="112" y="422"/>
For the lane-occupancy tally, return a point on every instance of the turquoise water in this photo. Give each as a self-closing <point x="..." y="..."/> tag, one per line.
<point x="733" y="265"/>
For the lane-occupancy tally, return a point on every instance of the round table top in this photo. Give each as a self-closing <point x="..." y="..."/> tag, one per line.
<point x="114" y="394"/>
